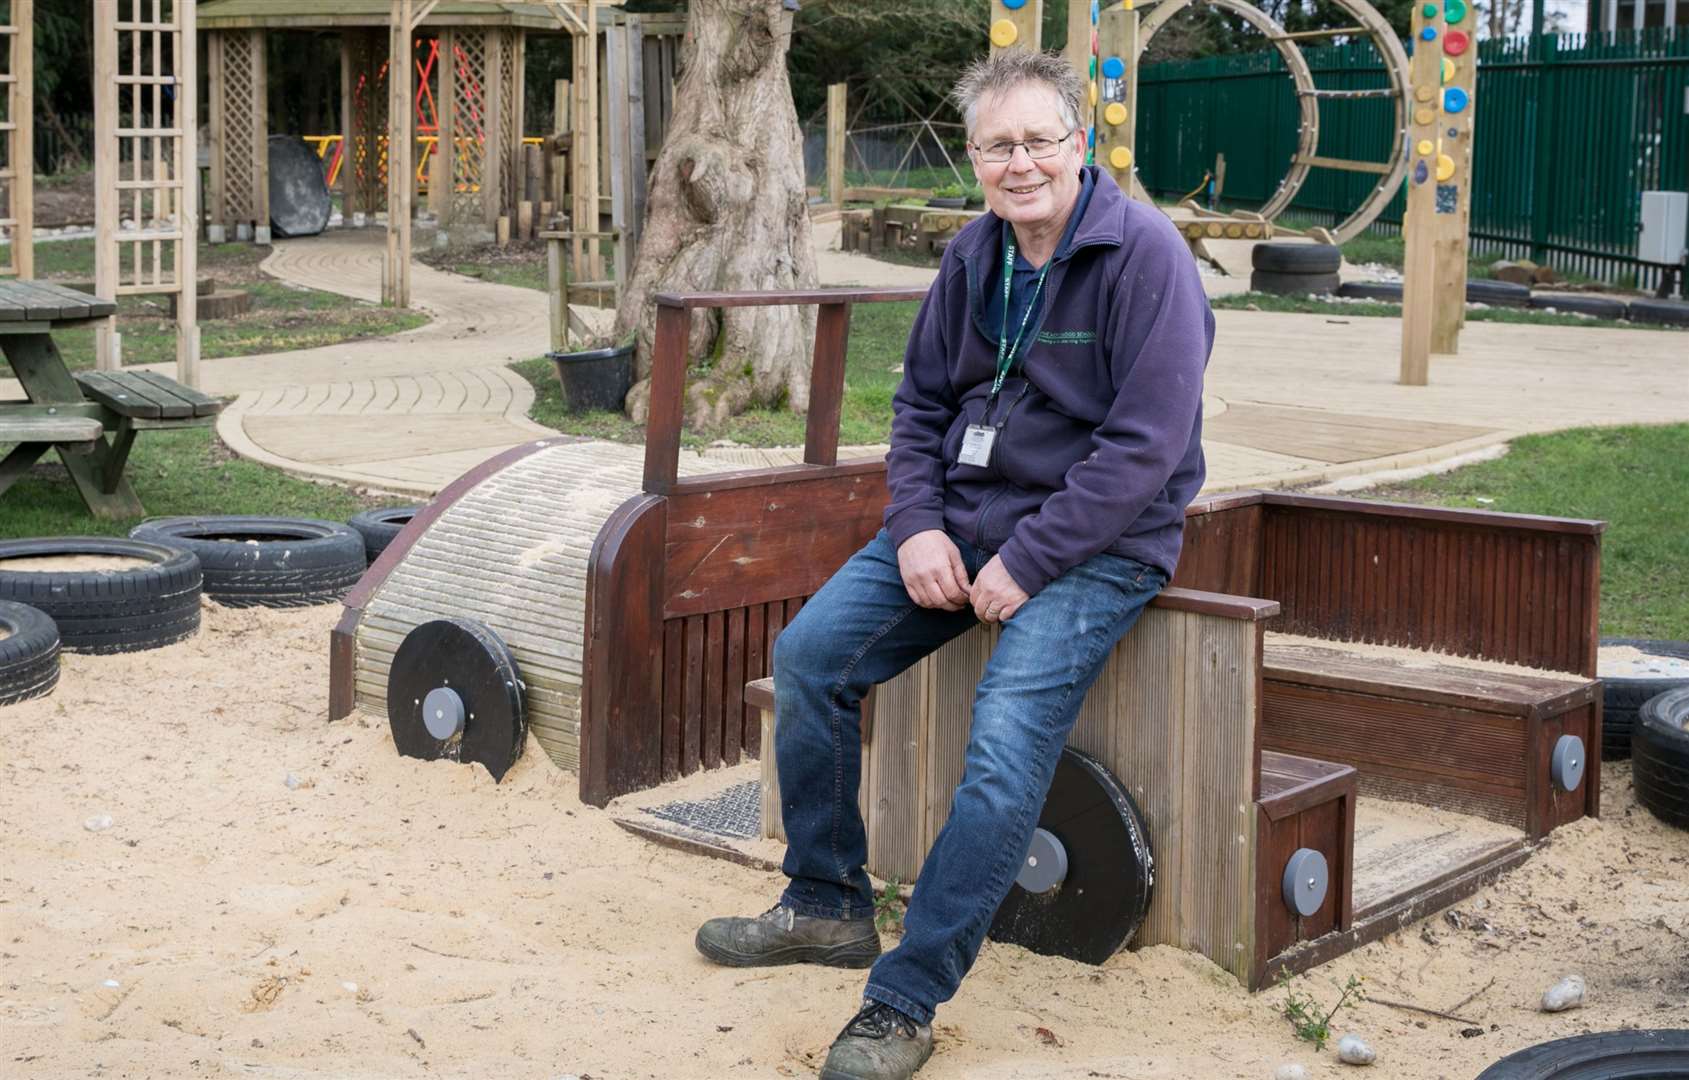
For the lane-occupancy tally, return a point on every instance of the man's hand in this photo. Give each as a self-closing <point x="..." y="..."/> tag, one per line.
<point x="933" y="572"/>
<point x="995" y="595"/>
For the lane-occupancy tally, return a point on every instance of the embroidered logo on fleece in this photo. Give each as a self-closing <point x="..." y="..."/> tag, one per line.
<point x="1067" y="337"/>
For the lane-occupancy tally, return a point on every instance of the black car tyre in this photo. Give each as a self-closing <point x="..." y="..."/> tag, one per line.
<point x="29" y="652"/>
<point x="253" y="561"/>
<point x="1497" y="293"/>
<point x="149" y="604"/>
<point x="1623" y="694"/>
<point x="1601" y="307"/>
<point x="1661" y="749"/>
<point x="1296" y="258"/>
<point x="379" y="527"/>
<point x="1663" y="312"/>
<point x="1607" y="1055"/>
<point x="1390" y="291"/>
<point x="1283" y="284"/>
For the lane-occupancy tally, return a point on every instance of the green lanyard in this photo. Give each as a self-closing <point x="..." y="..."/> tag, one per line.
<point x="1006" y="352"/>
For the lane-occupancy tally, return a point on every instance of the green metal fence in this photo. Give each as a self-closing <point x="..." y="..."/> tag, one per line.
<point x="1570" y="130"/>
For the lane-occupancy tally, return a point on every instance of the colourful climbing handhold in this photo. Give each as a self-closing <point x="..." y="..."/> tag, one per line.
<point x="1455" y="42"/>
<point x="1421" y="172"/>
<point x="1093" y="67"/>
<point x="1095" y="12"/>
<point x="1448" y="69"/>
<point x="1445" y="167"/>
<point x="1004" y="33"/>
<point x="1014" y="5"/>
<point x="1454" y="10"/>
<point x="1423" y="115"/>
<point x="1424" y="93"/>
<point x="1114" y="67"/>
<point x="1455" y="100"/>
<point x="1120" y="158"/>
<point x="1428" y="34"/>
<point x="1115" y="113"/>
<point x="1425" y="146"/>
<point x="1429" y="11"/>
<point x="1093" y="95"/>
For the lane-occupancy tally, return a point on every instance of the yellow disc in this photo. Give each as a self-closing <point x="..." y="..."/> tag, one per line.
<point x="1445" y="166"/>
<point x="1214" y="230"/>
<point x="1424" y="93"/>
<point x="1424" y="116"/>
<point x="1120" y="158"/>
<point x="1425" y="147"/>
<point x="1234" y="232"/>
<point x="1115" y="113"/>
<point x="1448" y="69"/>
<point x="1093" y="95"/>
<point x="1252" y="230"/>
<point x="1003" y="33"/>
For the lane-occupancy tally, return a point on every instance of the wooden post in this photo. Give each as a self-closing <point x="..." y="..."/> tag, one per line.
<point x="1454" y="191"/>
<point x="446" y="136"/>
<point x="559" y="127"/>
<point x="260" y="136"/>
<point x="557" y="291"/>
<point x="625" y="79"/>
<point x="836" y="118"/>
<point x="1219" y="179"/>
<point x="492" y="128"/>
<point x="21" y="114"/>
<point x="186" y="60"/>
<point x="396" y="269"/>
<point x="1117" y="97"/>
<point x="1017" y="27"/>
<point x="105" y="179"/>
<point x="525" y="220"/>
<point x="602" y="98"/>
<point x="1419" y="229"/>
<point x="583" y="148"/>
<point x="216" y="213"/>
<point x="533" y="173"/>
<point x="349" y="193"/>
<point x="1078" y="50"/>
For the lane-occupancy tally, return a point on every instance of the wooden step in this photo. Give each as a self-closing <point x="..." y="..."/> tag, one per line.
<point x="53" y="429"/>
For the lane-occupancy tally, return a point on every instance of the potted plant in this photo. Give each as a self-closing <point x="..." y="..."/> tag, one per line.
<point x="949" y="197"/>
<point x="596" y="374"/>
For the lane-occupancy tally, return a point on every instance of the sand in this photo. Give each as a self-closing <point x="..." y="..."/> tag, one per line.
<point x="75" y="564"/>
<point x="397" y="918"/>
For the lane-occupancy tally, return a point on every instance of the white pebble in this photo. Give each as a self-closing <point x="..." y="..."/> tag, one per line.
<point x="349" y="987"/>
<point x="98" y="823"/>
<point x="292" y="782"/>
<point x="1563" y="995"/>
<point x="1290" y="1071"/>
<point x="1353" y="1050"/>
<point x="111" y="984"/>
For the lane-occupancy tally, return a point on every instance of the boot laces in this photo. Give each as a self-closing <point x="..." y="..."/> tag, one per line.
<point x="780" y="913"/>
<point x="877" y="1020"/>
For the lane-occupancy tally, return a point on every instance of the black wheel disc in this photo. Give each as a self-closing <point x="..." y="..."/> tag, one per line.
<point x="453" y="692"/>
<point x="1103" y="899"/>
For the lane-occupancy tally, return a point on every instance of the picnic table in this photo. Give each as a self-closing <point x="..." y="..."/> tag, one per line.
<point x="91" y="419"/>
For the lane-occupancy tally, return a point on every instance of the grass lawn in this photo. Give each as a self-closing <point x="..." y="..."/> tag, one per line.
<point x="1385" y="309"/>
<point x="873" y="368"/>
<point x="283" y="317"/>
<point x="1634" y="478"/>
<point x="174" y="472"/>
<point x="522" y="263"/>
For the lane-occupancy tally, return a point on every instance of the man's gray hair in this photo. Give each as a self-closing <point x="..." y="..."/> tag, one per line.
<point x="1009" y="68"/>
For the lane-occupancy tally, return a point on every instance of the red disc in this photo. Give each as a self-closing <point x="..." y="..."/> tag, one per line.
<point x="1455" y="42"/>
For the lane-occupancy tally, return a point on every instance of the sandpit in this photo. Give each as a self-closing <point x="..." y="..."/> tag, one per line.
<point x="384" y="917"/>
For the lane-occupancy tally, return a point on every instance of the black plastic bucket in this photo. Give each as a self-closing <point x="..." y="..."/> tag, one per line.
<point x="595" y="378"/>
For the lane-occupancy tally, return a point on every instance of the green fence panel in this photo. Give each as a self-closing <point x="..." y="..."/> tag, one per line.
<point x="1570" y="130"/>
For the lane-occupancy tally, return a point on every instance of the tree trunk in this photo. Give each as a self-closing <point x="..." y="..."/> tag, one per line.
<point x="727" y="210"/>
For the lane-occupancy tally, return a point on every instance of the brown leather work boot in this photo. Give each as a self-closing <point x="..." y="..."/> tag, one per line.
<point x="782" y="936"/>
<point x="879" y="1043"/>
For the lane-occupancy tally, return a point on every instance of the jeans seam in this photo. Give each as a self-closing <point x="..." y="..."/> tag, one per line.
<point x="838" y="757"/>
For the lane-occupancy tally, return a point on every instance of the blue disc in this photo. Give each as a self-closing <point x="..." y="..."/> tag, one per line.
<point x="1014" y="5"/>
<point x="1454" y="99"/>
<point x="1114" y="67"/>
<point x="1094" y="12"/>
<point x="1428" y="34"/>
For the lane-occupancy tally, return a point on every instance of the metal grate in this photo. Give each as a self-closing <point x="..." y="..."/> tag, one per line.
<point x="736" y="812"/>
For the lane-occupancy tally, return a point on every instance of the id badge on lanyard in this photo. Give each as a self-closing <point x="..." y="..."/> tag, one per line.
<point x="979" y="440"/>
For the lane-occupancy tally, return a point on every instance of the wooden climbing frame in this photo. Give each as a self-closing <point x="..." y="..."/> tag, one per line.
<point x="17" y="126"/>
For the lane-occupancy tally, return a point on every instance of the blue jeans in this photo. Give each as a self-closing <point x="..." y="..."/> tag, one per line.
<point x="862" y="629"/>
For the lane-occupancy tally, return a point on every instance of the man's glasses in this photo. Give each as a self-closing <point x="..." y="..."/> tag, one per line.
<point x="1036" y="148"/>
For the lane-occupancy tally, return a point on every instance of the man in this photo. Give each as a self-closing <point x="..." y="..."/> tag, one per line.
<point x="1047" y="437"/>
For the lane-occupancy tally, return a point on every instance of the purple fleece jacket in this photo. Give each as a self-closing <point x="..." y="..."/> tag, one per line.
<point x="1100" y="447"/>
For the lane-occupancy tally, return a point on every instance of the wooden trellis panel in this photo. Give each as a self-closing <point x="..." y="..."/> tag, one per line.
<point x="364" y="104"/>
<point x="145" y="119"/>
<point x="510" y="60"/>
<point x="468" y="104"/>
<point x="17" y="166"/>
<point x="240" y="136"/>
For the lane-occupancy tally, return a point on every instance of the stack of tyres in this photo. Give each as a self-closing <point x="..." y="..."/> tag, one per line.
<point x="106" y="594"/>
<point x="1295" y="269"/>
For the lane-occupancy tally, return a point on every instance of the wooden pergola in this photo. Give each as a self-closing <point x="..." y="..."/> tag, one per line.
<point x="477" y="89"/>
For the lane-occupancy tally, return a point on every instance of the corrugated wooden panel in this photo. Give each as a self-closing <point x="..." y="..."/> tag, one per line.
<point x="1148" y="751"/>
<point x="511" y="553"/>
<point x="895" y="762"/>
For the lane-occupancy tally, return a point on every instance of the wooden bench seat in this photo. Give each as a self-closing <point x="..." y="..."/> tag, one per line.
<point x="49" y="429"/>
<point x="1449" y="731"/>
<point x="149" y="399"/>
